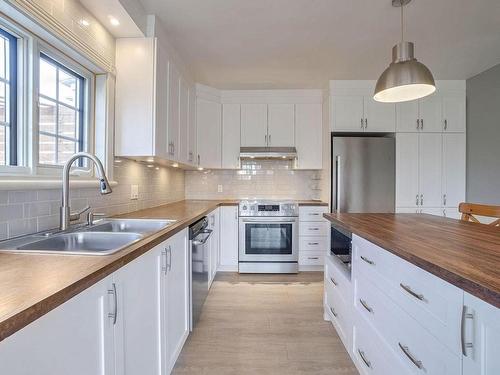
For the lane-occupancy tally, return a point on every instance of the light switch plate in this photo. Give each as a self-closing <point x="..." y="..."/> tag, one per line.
<point x="134" y="192"/>
<point x="219" y="188"/>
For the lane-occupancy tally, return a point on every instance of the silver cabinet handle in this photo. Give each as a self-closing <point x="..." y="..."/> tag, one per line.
<point x="333" y="311"/>
<point x="269" y="138"/>
<point x="313" y="243"/>
<point x="362" y="125"/>
<point x="338" y="176"/>
<point x="169" y="257"/>
<point x="366" y="123"/>
<point x="363" y="357"/>
<point x="444" y="199"/>
<point x="410" y="356"/>
<point x="421" y="199"/>
<point x="313" y="258"/>
<point x="407" y="289"/>
<point x="421" y="124"/>
<point x="199" y="160"/>
<point x="445" y="124"/>
<point x="418" y="124"/>
<point x="365" y="305"/>
<point x="164" y="261"/>
<point x="265" y="139"/>
<point x="416" y="200"/>
<point x="371" y="262"/>
<point x="114" y="314"/>
<point x="313" y="214"/>
<point x="465" y="345"/>
<point x="333" y="281"/>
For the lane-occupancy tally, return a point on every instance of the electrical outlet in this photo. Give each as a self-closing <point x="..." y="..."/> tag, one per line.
<point x="134" y="192"/>
<point x="219" y="188"/>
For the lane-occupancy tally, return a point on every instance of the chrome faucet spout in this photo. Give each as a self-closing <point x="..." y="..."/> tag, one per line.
<point x="65" y="215"/>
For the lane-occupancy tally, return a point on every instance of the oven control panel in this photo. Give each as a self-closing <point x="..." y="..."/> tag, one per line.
<point x="268" y="208"/>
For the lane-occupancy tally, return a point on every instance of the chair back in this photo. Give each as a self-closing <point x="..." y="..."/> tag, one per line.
<point x="468" y="210"/>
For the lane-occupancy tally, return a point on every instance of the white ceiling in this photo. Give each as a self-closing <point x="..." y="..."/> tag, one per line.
<point x="304" y="43"/>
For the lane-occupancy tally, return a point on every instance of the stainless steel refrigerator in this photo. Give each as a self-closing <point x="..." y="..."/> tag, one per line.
<point x="363" y="174"/>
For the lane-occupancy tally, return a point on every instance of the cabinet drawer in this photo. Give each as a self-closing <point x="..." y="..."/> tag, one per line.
<point x="313" y="243"/>
<point x="340" y="314"/>
<point x="314" y="228"/>
<point x="312" y="258"/>
<point x="416" y="348"/>
<point x="312" y="213"/>
<point x="335" y="278"/>
<point x="431" y="301"/>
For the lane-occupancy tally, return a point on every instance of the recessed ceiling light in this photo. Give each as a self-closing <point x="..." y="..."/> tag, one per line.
<point x="118" y="160"/>
<point x="84" y="22"/>
<point x="150" y="160"/>
<point x="200" y="168"/>
<point x="113" y="21"/>
<point x="175" y="165"/>
<point x="150" y="166"/>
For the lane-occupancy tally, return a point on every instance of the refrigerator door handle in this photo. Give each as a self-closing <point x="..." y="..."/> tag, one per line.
<point x="338" y="177"/>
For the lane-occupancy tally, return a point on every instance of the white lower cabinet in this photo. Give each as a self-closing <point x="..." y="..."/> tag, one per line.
<point x="135" y="321"/>
<point x="214" y="244"/>
<point x="481" y="330"/>
<point x="314" y="237"/>
<point x="75" y="338"/>
<point x="228" y="260"/>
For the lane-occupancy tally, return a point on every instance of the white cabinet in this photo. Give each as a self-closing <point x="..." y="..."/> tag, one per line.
<point x="481" y="330"/>
<point x="308" y="135"/>
<point x="74" y="338"/>
<point x="183" y="152"/>
<point x="229" y="238"/>
<point x="314" y="232"/>
<point x="347" y="113"/>
<point x="208" y="124"/>
<point x="173" y="112"/>
<point x="192" y="153"/>
<point x="231" y="121"/>
<point x="407" y="170"/>
<point x="453" y="177"/>
<point x="454" y="113"/>
<point x="253" y="125"/>
<point x="379" y="117"/>
<point x="176" y="301"/>
<point x="281" y="125"/>
<point x="214" y="244"/>
<point x="430" y="146"/>
<point x="138" y="285"/>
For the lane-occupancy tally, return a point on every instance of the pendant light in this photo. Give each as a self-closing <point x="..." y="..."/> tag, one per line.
<point x="405" y="79"/>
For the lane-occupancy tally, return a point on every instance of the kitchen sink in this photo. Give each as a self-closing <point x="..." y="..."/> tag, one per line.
<point x="94" y="243"/>
<point x="143" y="226"/>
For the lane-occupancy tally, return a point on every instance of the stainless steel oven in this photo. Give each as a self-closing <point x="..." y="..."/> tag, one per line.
<point x="268" y="237"/>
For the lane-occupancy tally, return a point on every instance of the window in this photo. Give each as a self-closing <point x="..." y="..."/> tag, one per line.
<point x="61" y="130"/>
<point x="8" y="98"/>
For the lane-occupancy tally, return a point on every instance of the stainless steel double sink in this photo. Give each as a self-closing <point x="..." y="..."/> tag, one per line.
<point x="105" y="237"/>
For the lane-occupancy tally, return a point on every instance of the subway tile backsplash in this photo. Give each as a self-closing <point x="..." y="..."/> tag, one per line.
<point x="256" y="179"/>
<point x="29" y="211"/>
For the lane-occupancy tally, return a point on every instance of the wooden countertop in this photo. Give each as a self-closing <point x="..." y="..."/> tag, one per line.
<point x="33" y="284"/>
<point x="464" y="254"/>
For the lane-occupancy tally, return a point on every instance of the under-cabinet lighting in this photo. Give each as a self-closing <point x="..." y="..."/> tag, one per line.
<point x="150" y="160"/>
<point x="150" y="165"/>
<point x="175" y="165"/>
<point x="113" y="21"/>
<point x="84" y="22"/>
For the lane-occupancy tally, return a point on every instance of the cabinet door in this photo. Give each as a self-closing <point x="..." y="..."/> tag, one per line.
<point x="454" y="113"/>
<point x="347" y="113"/>
<point x="177" y="297"/>
<point x="430" y="112"/>
<point x="308" y="140"/>
<point x="161" y="103"/>
<point x="430" y="169"/>
<point x="281" y="125"/>
<point x="208" y="124"/>
<point x="407" y="116"/>
<point x="183" y="156"/>
<point x="138" y="320"/>
<point x="379" y="117"/>
<point x="75" y="338"/>
<point x="229" y="238"/>
<point x="173" y="111"/>
<point x="231" y="136"/>
<point x="214" y="244"/>
<point x="192" y="155"/>
<point x="254" y="125"/>
<point x="407" y="170"/>
<point x="453" y="169"/>
<point x="482" y="334"/>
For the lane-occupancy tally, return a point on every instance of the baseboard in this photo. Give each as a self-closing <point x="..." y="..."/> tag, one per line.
<point x="224" y="268"/>
<point x="308" y="268"/>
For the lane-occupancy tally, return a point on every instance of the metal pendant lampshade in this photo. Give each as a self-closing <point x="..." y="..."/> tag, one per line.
<point x="405" y="79"/>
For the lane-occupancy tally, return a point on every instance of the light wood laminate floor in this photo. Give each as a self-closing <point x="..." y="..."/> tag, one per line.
<point x="264" y="324"/>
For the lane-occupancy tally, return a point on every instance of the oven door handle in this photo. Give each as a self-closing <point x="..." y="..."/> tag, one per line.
<point x="269" y="220"/>
<point x="208" y="233"/>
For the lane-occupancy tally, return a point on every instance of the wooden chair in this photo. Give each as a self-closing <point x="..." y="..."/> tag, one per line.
<point x="468" y="210"/>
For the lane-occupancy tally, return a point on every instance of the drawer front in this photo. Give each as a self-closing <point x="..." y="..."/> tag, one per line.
<point x="312" y="213"/>
<point x="336" y="279"/>
<point x="313" y="244"/>
<point x="314" y="228"/>
<point x="416" y="348"/>
<point x="340" y="315"/>
<point x="371" y="354"/>
<point x="434" y="303"/>
<point x="312" y="258"/>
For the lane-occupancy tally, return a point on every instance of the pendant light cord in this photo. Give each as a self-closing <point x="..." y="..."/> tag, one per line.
<point x="402" y="23"/>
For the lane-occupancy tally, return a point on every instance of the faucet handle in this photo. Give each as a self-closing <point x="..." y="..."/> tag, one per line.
<point x="92" y="215"/>
<point x="76" y="215"/>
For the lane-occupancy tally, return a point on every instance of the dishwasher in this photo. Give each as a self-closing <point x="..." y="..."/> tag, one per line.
<point x="199" y="235"/>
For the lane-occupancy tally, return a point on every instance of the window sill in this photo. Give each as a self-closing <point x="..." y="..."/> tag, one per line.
<point x="33" y="183"/>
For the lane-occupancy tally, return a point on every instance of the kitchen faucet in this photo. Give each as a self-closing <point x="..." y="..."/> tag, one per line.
<point x="66" y="216"/>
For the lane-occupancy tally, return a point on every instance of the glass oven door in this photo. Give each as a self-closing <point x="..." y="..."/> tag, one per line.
<point x="271" y="239"/>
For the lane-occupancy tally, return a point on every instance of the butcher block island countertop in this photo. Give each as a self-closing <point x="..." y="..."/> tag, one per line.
<point x="464" y="254"/>
<point x="33" y="284"/>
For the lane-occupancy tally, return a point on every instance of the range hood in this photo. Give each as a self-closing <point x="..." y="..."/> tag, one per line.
<point x="287" y="153"/>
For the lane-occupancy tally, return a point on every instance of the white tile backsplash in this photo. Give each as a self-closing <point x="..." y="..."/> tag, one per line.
<point x="255" y="179"/>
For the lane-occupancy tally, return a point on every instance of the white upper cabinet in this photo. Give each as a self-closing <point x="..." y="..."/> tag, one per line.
<point x="192" y="154"/>
<point x="173" y="111"/>
<point x="208" y="124"/>
<point x="281" y="125"/>
<point x="254" y="125"/>
<point x="353" y="108"/>
<point x="430" y="113"/>
<point x="183" y="155"/>
<point x="231" y="120"/>
<point x="407" y="117"/>
<point x="453" y="176"/>
<point x="454" y="113"/>
<point x="430" y="146"/>
<point x="308" y="135"/>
